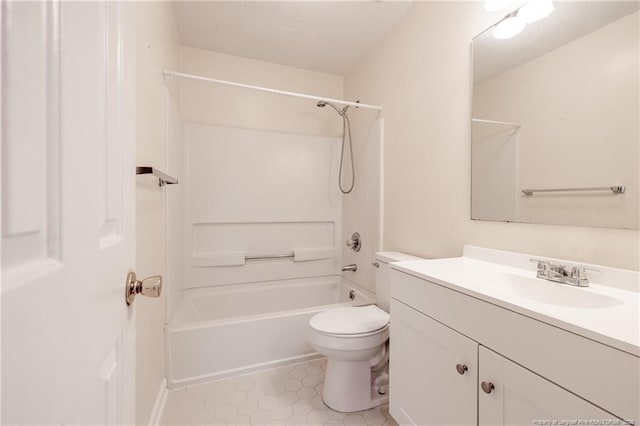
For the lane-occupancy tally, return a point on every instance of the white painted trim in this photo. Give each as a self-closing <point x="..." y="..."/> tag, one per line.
<point x="159" y="404"/>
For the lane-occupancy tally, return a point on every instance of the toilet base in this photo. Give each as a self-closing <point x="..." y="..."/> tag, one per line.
<point x="349" y="386"/>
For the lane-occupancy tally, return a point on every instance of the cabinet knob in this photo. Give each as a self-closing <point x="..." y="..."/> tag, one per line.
<point x="461" y="368"/>
<point x="487" y="387"/>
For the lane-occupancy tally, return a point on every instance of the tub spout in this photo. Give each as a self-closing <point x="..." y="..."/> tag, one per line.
<point x="352" y="267"/>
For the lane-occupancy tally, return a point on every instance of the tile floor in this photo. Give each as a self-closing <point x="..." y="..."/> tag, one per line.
<point x="288" y="395"/>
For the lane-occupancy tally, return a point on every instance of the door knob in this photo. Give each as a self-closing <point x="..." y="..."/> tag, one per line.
<point x="150" y="287"/>
<point x="487" y="387"/>
<point x="461" y="368"/>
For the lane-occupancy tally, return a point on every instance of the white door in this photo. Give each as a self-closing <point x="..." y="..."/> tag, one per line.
<point x="512" y="395"/>
<point x="68" y="234"/>
<point x="433" y="371"/>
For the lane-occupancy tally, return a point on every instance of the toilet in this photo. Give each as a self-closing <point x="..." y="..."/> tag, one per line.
<point x="354" y="340"/>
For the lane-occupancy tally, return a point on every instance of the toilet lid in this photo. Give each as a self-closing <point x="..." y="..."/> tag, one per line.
<point x="351" y="320"/>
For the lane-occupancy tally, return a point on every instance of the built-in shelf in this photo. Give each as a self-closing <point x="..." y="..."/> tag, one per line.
<point x="163" y="178"/>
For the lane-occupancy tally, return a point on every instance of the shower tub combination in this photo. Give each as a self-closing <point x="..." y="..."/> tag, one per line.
<point x="229" y="330"/>
<point x="245" y="314"/>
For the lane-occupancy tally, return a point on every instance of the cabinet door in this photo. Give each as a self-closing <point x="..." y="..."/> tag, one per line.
<point x="520" y="397"/>
<point x="426" y="388"/>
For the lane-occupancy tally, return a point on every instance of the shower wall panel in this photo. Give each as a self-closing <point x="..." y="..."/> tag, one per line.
<point x="362" y="211"/>
<point x="260" y="193"/>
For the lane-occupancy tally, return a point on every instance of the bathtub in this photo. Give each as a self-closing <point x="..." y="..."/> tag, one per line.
<point x="222" y="331"/>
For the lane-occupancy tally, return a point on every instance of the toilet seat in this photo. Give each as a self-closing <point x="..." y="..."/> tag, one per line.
<point x="351" y="321"/>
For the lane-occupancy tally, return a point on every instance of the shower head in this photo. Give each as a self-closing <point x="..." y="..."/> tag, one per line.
<point x="342" y="112"/>
<point x="346" y="130"/>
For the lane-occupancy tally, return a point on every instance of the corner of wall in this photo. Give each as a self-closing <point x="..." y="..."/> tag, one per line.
<point x="157" y="41"/>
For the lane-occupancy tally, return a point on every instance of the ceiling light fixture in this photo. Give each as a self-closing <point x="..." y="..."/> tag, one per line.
<point x="509" y="27"/>
<point x="513" y="23"/>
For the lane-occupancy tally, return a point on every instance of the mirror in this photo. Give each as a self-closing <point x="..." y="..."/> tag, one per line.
<point x="555" y="119"/>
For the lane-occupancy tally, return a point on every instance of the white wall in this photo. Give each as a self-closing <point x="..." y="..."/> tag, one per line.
<point x="234" y="107"/>
<point x="420" y="73"/>
<point x="157" y="40"/>
<point x="579" y="114"/>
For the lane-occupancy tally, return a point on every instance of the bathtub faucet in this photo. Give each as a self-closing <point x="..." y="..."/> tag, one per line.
<point x="353" y="267"/>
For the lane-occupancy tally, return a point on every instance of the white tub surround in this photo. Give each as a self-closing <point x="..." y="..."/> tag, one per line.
<point x="228" y="330"/>
<point x="263" y="249"/>
<point x="262" y="206"/>
<point x="504" y="347"/>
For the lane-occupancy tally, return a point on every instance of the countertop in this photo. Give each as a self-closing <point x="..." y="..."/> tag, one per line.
<point x="609" y="314"/>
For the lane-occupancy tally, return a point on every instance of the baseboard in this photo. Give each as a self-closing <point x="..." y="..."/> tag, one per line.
<point x="158" y="405"/>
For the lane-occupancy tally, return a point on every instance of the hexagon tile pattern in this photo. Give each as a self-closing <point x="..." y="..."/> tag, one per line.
<point x="288" y="395"/>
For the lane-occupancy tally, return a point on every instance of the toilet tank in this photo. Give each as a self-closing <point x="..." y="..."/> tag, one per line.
<point x="383" y="258"/>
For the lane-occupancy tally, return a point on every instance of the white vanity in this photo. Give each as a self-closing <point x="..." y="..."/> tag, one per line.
<point x="480" y="340"/>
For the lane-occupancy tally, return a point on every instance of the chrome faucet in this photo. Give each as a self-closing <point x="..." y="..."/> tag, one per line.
<point x="353" y="267"/>
<point x="577" y="276"/>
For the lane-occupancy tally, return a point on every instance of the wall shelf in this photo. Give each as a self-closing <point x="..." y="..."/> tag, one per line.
<point x="163" y="178"/>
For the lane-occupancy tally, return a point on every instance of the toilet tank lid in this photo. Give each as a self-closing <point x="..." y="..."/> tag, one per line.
<point x="395" y="256"/>
<point x="351" y="320"/>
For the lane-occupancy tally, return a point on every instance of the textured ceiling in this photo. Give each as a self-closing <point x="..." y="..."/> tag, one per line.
<point x="326" y="36"/>
<point x="570" y="21"/>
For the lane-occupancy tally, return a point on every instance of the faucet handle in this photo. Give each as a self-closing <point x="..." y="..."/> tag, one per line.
<point x="580" y="272"/>
<point x="355" y="242"/>
<point x="543" y="265"/>
<point x="579" y="276"/>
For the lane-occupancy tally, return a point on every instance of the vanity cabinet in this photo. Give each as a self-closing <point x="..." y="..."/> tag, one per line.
<point x="518" y="369"/>
<point x="427" y="389"/>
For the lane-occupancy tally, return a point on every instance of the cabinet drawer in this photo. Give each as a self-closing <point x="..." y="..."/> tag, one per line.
<point x="607" y="377"/>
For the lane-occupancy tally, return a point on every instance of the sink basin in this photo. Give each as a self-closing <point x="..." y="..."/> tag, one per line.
<point x="552" y="293"/>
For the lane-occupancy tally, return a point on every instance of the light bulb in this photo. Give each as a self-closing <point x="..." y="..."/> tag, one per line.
<point x="534" y="10"/>
<point x="509" y="27"/>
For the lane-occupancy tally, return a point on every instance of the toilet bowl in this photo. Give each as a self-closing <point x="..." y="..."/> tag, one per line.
<point x="354" y="340"/>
